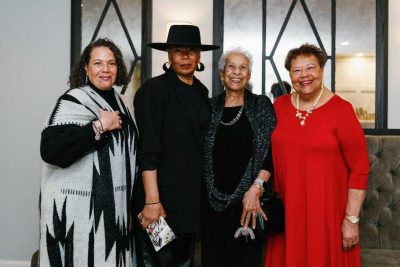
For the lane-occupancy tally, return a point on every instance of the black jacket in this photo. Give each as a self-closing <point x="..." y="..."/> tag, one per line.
<point x="170" y="141"/>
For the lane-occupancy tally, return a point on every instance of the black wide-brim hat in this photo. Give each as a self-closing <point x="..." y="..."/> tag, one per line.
<point x="183" y="36"/>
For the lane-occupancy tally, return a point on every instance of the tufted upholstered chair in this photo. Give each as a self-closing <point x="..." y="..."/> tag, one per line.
<point x="380" y="216"/>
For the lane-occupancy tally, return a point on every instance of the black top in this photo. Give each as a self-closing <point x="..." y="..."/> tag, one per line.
<point x="171" y="118"/>
<point x="195" y="106"/>
<point x="108" y="96"/>
<point x="233" y="150"/>
<point x="62" y="145"/>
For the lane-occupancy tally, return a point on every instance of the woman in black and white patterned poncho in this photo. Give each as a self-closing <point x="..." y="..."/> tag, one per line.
<point x="89" y="150"/>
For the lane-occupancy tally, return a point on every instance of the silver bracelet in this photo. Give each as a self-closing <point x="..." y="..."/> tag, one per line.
<point x="98" y="132"/>
<point x="259" y="181"/>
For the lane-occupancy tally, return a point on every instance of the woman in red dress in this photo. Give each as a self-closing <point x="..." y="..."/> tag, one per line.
<point x="321" y="170"/>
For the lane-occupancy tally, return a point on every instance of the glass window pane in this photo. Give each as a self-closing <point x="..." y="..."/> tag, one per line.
<point x="321" y="13"/>
<point x="271" y="78"/>
<point x="131" y="11"/>
<point x="91" y="12"/>
<point x="277" y="11"/>
<point x="327" y="79"/>
<point x="298" y="31"/>
<point x="355" y="56"/>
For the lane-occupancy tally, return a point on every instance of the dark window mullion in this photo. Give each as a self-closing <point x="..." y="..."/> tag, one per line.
<point x="76" y="32"/>
<point x="131" y="70"/>
<point x="218" y="38"/>
<point x="333" y="46"/>
<point x="147" y="9"/>
<point x="264" y="37"/>
<point x="289" y="14"/>
<point x="121" y="20"/>
<point x="277" y="73"/>
<point x="103" y="15"/>
<point x="312" y="24"/>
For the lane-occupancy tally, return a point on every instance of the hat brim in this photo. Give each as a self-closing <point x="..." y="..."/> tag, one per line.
<point x="166" y="46"/>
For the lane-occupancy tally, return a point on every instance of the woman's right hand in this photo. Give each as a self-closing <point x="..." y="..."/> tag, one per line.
<point x="150" y="214"/>
<point x="251" y="206"/>
<point x="110" y="120"/>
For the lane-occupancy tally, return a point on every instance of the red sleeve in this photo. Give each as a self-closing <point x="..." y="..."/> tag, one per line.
<point x="353" y="147"/>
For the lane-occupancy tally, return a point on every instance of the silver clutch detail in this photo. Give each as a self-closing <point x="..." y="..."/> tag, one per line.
<point x="160" y="233"/>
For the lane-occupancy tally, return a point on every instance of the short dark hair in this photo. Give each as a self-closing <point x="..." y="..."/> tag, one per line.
<point x="78" y="74"/>
<point x="277" y="90"/>
<point x="306" y="49"/>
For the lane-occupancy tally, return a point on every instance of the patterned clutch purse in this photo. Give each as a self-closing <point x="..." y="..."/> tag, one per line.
<point x="160" y="233"/>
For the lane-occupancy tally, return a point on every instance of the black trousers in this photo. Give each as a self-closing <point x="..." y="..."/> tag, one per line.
<point x="178" y="253"/>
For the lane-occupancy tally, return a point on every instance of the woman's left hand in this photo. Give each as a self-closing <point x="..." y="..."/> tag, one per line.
<point x="251" y="206"/>
<point x="350" y="234"/>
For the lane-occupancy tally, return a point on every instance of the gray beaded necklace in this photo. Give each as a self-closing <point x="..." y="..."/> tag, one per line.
<point x="232" y="122"/>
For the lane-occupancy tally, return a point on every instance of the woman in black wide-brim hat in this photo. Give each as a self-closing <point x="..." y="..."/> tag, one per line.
<point x="172" y="112"/>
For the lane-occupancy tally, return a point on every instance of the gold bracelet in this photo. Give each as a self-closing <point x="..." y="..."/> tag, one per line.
<point x="259" y="187"/>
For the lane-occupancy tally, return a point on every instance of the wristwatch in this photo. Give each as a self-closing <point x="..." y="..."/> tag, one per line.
<point x="352" y="218"/>
<point x="259" y="181"/>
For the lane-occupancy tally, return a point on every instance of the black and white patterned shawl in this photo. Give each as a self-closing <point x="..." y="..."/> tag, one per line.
<point x="261" y="116"/>
<point x="85" y="208"/>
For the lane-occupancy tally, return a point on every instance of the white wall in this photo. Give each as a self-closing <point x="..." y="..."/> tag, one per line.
<point x="34" y="66"/>
<point x="359" y="87"/>
<point x="199" y="13"/>
<point x="393" y="66"/>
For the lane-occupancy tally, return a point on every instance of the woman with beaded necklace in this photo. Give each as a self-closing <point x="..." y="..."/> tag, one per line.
<point x="237" y="163"/>
<point x="320" y="170"/>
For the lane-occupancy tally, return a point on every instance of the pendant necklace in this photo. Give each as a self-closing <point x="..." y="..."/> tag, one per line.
<point x="232" y="122"/>
<point x="309" y="110"/>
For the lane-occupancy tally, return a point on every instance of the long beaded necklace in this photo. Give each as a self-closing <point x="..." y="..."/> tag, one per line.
<point x="309" y="110"/>
<point x="232" y="122"/>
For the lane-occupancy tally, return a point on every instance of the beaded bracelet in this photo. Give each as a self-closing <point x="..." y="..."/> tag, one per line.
<point x="102" y="128"/>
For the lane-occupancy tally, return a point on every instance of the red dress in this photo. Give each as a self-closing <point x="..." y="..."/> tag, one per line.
<point x="314" y="165"/>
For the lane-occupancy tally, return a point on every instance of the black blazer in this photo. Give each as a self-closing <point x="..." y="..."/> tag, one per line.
<point x="169" y="141"/>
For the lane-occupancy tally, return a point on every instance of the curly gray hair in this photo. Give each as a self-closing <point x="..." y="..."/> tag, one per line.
<point x="240" y="50"/>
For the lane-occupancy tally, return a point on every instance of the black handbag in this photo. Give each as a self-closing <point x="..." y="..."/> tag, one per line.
<point x="273" y="207"/>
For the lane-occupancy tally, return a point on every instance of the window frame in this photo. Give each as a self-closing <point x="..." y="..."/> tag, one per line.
<point x="381" y="79"/>
<point x="76" y="34"/>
